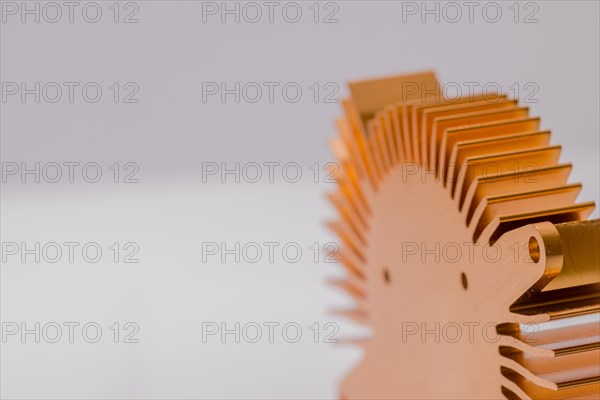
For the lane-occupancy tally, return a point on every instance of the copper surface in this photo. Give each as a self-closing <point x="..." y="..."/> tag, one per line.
<point x="423" y="178"/>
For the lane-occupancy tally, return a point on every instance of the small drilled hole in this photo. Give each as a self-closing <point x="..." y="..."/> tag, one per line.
<point x="534" y="249"/>
<point x="386" y="275"/>
<point x="463" y="279"/>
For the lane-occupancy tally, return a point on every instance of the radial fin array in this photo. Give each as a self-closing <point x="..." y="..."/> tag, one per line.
<point x="502" y="172"/>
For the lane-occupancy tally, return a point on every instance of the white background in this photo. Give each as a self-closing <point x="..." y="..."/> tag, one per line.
<point x="171" y="132"/>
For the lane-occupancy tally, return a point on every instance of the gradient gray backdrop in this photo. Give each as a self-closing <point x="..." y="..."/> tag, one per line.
<point x="170" y="132"/>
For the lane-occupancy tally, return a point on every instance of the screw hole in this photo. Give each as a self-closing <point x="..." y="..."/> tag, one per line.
<point x="386" y="276"/>
<point x="534" y="249"/>
<point x="463" y="279"/>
